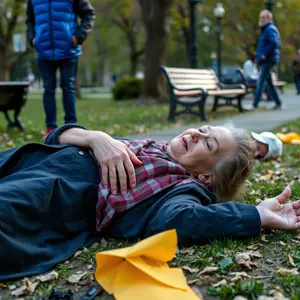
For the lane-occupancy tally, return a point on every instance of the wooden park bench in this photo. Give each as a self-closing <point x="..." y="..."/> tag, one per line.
<point x="191" y="87"/>
<point x="13" y="96"/>
<point x="251" y="87"/>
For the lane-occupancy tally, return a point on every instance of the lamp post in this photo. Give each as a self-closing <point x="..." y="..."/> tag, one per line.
<point x="219" y="12"/>
<point x="269" y="5"/>
<point x="193" y="41"/>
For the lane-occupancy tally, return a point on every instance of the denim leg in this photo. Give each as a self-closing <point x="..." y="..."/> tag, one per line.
<point x="273" y="90"/>
<point x="260" y="86"/>
<point x="68" y="72"/>
<point x="48" y="70"/>
<point x="297" y="82"/>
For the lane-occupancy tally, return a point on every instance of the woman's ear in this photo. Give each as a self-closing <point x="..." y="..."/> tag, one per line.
<point x="205" y="178"/>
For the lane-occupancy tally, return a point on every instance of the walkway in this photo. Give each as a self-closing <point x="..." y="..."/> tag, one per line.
<point x="257" y="121"/>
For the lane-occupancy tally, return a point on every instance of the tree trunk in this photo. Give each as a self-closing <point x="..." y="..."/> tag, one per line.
<point x="155" y="13"/>
<point x="4" y="68"/>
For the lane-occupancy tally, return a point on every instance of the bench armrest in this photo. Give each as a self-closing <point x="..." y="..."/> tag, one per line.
<point x="204" y="91"/>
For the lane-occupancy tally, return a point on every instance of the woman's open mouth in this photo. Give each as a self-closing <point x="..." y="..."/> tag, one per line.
<point x="184" y="141"/>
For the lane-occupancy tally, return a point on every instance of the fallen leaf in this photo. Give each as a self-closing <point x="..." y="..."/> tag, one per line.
<point x="189" y="251"/>
<point x="103" y="242"/>
<point x="255" y="254"/>
<point x="263" y="239"/>
<point x="225" y="262"/>
<point x="239" y="298"/>
<point x="244" y="258"/>
<point x="297" y="236"/>
<point x="12" y="287"/>
<point x="90" y="267"/>
<point x="252" y="247"/>
<point x="283" y="271"/>
<point x="30" y="286"/>
<point x="209" y="270"/>
<point x="191" y="270"/>
<point x="49" y="276"/>
<point x="193" y="281"/>
<point x="206" y="280"/>
<point x="19" y="291"/>
<point x="282" y="243"/>
<point x="291" y="260"/>
<point x="3" y="286"/>
<point x="222" y="282"/>
<point x="77" y="253"/>
<point x="76" y="277"/>
<point x="238" y="276"/>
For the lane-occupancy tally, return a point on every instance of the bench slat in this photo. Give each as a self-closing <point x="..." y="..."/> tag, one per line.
<point x="190" y="71"/>
<point x="192" y="76"/>
<point x="226" y="92"/>
<point x="195" y="81"/>
<point x="196" y="86"/>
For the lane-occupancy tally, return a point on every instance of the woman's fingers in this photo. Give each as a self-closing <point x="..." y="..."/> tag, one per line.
<point x="122" y="177"/>
<point x="133" y="157"/>
<point x="285" y="195"/>
<point x="104" y="171"/>
<point x="113" y="179"/>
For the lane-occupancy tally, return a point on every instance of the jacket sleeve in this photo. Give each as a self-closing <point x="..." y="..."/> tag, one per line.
<point x="273" y="42"/>
<point x="87" y="15"/>
<point x="53" y="137"/>
<point x="30" y="23"/>
<point x="197" y="224"/>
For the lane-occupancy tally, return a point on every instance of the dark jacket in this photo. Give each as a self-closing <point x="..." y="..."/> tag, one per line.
<point x="48" y="195"/>
<point x="53" y="23"/>
<point x="268" y="45"/>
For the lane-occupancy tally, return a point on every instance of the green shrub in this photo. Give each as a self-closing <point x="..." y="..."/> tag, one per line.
<point x="127" y="88"/>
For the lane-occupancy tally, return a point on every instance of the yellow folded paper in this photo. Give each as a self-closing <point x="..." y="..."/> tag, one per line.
<point x="289" y="138"/>
<point x="141" y="271"/>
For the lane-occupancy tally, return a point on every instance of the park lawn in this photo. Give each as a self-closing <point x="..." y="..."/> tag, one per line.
<point x="121" y="118"/>
<point x="275" y="256"/>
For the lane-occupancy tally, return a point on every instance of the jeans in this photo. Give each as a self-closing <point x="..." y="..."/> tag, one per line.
<point x="68" y="71"/>
<point x="265" y="76"/>
<point x="297" y="82"/>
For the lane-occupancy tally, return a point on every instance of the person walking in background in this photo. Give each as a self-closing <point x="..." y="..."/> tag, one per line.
<point x="56" y="35"/>
<point x="296" y="70"/>
<point x="267" y="56"/>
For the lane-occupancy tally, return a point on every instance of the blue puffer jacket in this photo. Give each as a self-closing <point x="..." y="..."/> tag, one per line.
<point x="268" y="45"/>
<point x="55" y="26"/>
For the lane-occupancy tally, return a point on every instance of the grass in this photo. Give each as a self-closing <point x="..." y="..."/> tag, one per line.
<point x="277" y="249"/>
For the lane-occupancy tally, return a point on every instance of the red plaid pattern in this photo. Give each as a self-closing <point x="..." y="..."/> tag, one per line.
<point x="158" y="172"/>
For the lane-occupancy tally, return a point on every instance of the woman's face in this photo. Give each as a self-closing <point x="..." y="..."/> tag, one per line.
<point x="199" y="150"/>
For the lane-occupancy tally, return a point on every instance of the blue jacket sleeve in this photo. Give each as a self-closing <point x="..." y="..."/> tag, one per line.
<point x="197" y="224"/>
<point x="53" y="137"/>
<point x="272" y="42"/>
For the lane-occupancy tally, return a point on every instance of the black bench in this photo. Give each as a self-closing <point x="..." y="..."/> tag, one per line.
<point x="191" y="87"/>
<point x="13" y="96"/>
<point x="251" y="87"/>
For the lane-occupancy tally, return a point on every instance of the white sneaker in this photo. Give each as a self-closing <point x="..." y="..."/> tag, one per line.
<point x="249" y="107"/>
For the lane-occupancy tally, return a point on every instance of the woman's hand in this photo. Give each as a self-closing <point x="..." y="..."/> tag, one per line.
<point x="116" y="161"/>
<point x="275" y="214"/>
<point x="115" y="158"/>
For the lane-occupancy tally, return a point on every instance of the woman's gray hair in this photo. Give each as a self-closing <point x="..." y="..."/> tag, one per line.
<point x="230" y="173"/>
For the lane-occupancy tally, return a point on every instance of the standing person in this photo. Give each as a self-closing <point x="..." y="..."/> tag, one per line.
<point x="296" y="70"/>
<point x="267" y="56"/>
<point x="54" y="32"/>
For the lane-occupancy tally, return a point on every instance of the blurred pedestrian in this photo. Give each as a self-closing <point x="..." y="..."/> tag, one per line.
<point x="296" y="70"/>
<point x="267" y="56"/>
<point x="53" y="29"/>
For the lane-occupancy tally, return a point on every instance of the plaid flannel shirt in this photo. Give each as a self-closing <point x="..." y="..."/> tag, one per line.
<point x="158" y="172"/>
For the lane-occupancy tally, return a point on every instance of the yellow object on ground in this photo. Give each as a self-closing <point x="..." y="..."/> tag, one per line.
<point x="289" y="138"/>
<point x="141" y="271"/>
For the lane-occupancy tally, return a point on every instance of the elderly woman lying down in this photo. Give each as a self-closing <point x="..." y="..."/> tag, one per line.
<point x="58" y="197"/>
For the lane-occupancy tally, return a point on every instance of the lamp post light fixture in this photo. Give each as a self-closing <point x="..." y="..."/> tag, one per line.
<point x="193" y="39"/>
<point x="219" y="12"/>
<point x="269" y="5"/>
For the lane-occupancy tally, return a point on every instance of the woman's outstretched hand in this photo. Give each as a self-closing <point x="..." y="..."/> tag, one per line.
<point x="277" y="214"/>
<point x="116" y="161"/>
<point x="115" y="158"/>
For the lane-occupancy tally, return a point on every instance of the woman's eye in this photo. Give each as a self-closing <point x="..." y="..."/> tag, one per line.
<point x="208" y="145"/>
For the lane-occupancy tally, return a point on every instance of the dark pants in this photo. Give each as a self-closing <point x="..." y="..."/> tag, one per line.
<point x="68" y="71"/>
<point x="265" y="76"/>
<point x="297" y="82"/>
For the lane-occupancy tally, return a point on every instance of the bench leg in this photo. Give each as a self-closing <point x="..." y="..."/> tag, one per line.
<point x="172" y="110"/>
<point x="201" y="106"/>
<point x="8" y="119"/>
<point x="214" y="108"/>
<point x="239" y="103"/>
<point x="17" y="121"/>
